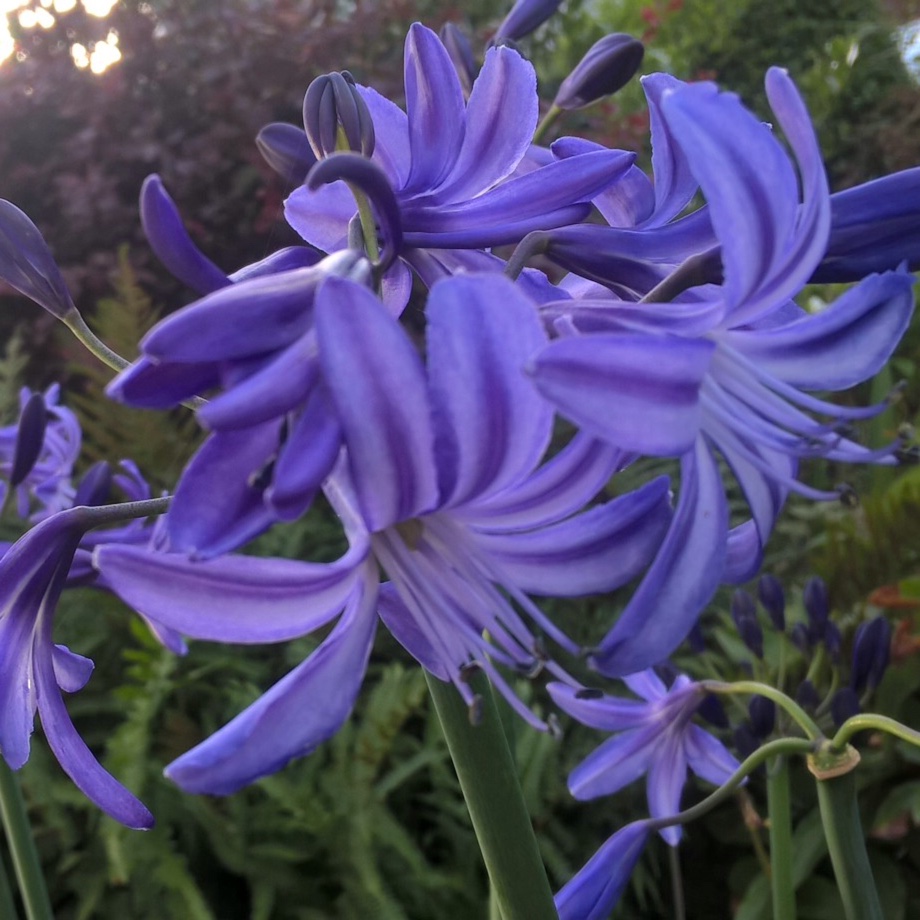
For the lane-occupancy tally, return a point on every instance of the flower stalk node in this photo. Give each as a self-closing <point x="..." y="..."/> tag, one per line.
<point x="829" y="762"/>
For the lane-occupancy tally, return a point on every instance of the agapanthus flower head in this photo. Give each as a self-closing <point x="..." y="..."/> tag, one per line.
<point x="656" y="737"/>
<point x="740" y="359"/>
<point x="34" y="671"/>
<point x="440" y="487"/>
<point x="450" y="165"/>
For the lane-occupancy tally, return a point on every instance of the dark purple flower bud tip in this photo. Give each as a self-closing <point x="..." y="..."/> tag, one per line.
<point x="95" y="486"/>
<point x="525" y="16"/>
<point x="746" y="742"/>
<point x="332" y="108"/>
<point x="286" y="149"/>
<point x="871" y="654"/>
<point x="461" y="54"/>
<point x="771" y="595"/>
<point x="607" y="67"/>
<point x="807" y="696"/>
<point x="832" y="641"/>
<point x="762" y="713"/>
<point x="801" y="638"/>
<point x="844" y="704"/>
<point x="589" y="693"/>
<point x="712" y="710"/>
<point x="30" y="436"/>
<point x="817" y="604"/>
<point x="744" y="615"/>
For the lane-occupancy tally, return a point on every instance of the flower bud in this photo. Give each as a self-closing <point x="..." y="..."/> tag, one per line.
<point x="461" y="55"/>
<point x="30" y="437"/>
<point x="801" y="638"/>
<point x="871" y="653"/>
<point x="762" y="713"/>
<point x="333" y="102"/>
<point x="832" y="641"/>
<point x="817" y="606"/>
<point x="525" y="16"/>
<point x="771" y="595"/>
<point x="607" y="67"/>
<point x="807" y="696"/>
<point x="286" y="149"/>
<point x="744" y="615"/>
<point x="844" y="704"/>
<point x="95" y="486"/>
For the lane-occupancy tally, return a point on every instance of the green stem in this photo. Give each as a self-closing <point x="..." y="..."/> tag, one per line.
<point x="677" y="884"/>
<point x="804" y="721"/>
<point x="22" y="847"/>
<point x="779" y="805"/>
<point x="871" y="721"/>
<point x="495" y="801"/>
<point x="368" y="224"/>
<point x="549" y="119"/>
<point x="772" y="749"/>
<point x="7" y="905"/>
<point x="847" y="846"/>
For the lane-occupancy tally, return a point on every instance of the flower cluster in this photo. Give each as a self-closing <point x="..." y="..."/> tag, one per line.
<point x="672" y="335"/>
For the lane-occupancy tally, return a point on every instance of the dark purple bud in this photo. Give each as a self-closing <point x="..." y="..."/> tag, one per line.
<point x="817" y="606"/>
<point x="746" y="742"/>
<point x="712" y="710"/>
<point x="524" y="18"/>
<point x="763" y="716"/>
<point x="286" y="149"/>
<point x="801" y="638"/>
<point x="771" y="594"/>
<point x="461" y="55"/>
<point x="832" y="641"/>
<point x="807" y="696"/>
<point x="333" y="102"/>
<point x="744" y="614"/>
<point x="370" y="179"/>
<point x="845" y="703"/>
<point x="607" y="67"/>
<point x="170" y="241"/>
<point x="95" y="486"/>
<point x="30" y="436"/>
<point x="26" y="263"/>
<point x="871" y="653"/>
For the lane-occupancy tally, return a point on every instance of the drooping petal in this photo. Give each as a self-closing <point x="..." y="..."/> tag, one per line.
<point x="708" y="758"/>
<point x="170" y="241"/>
<point x="399" y="620"/>
<point x="607" y="713"/>
<point x="500" y="120"/>
<point x="492" y="426"/>
<point x="435" y="107"/>
<point x="637" y="392"/>
<point x="595" y="551"/>
<point x="842" y="345"/>
<point x="378" y="387"/>
<point x="291" y="719"/>
<point x="287" y="150"/>
<point x="161" y="385"/>
<point x="219" y="504"/>
<point x="596" y="888"/>
<point x="321" y="215"/>
<point x="239" y="599"/>
<point x="616" y="763"/>
<point x="71" y="671"/>
<point x="666" y="777"/>
<point x="681" y="580"/>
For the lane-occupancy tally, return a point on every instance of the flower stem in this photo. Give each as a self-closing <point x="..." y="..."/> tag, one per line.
<point x="847" y="846"/>
<point x="549" y="119"/>
<point x="802" y="719"/>
<point x="869" y="721"/>
<point x="495" y="801"/>
<point x="781" y="857"/>
<point x="22" y="847"/>
<point x="7" y="905"/>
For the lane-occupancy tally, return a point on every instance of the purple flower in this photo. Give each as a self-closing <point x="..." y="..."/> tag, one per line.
<point x="656" y="738"/>
<point x="724" y="370"/>
<point x="595" y="889"/>
<point x="449" y="162"/>
<point x="34" y="671"/>
<point x="440" y="486"/>
<point x="47" y="480"/>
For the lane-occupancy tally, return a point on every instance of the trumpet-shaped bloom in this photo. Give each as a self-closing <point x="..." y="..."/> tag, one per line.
<point x="655" y="738"/>
<point x="440" y="488"/>
<point x="450" y="162"/>
<point x="34" y="671"/>
<point x="724" y="370"/>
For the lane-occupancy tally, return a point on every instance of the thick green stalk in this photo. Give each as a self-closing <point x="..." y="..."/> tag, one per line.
<point x="779" y="805"/>
<point x="22" y="847"/>
<point x="7" y="905"/>
<point x="495" y="801"/>
<point x="847" y="846"/>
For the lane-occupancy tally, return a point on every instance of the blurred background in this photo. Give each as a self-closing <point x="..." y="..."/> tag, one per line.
<point x="96" y="95"/>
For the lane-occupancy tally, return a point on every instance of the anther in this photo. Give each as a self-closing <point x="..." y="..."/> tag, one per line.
<point x="589" y="693"/>
<point x="847" y="495"/>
